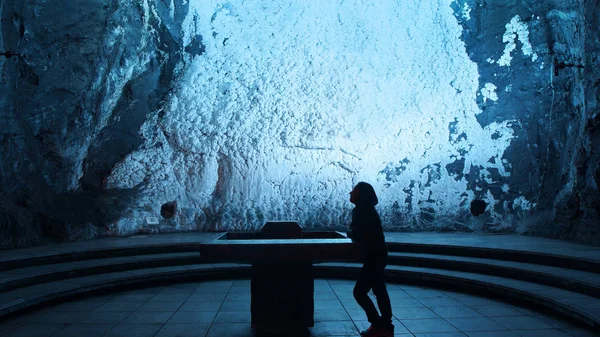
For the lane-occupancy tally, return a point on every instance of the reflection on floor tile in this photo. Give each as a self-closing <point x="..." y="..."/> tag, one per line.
<point x="183" y="330"/>
<point x="87" y="330"/>
<point x="429" y="325"/>
<point x="132" y="330"/>
<point x="36" y="330"/>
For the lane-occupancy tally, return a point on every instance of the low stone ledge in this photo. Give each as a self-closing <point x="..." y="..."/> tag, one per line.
<point x="336" y="270"/>
<point x="562" y="261"/>
<point x="499" y="268"/>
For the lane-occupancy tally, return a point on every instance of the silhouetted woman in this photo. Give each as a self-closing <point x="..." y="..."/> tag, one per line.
<point x="366" y="229"/>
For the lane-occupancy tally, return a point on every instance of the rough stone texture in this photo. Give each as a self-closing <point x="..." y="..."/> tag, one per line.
<point x="90" y="73"/>
<point x="552" y="155"/>
<point x="113" y="108"/>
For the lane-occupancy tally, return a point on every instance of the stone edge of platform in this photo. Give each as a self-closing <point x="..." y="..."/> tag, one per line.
<point x="18" y="306"/>
<point x="562" y="261"/>
<point x="143" y="262"/>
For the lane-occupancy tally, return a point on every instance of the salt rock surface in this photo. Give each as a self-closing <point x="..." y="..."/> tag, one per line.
<point x="294" y="102"/>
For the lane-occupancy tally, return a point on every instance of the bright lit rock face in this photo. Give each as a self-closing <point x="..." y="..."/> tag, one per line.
<point x="247" y="111"/>
<point x="285" y="111"/>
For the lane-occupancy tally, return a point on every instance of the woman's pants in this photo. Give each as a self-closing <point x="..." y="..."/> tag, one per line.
<point x="371" y="277"/>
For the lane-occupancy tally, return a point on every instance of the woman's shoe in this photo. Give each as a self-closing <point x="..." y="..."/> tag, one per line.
<point x="376" y="331"/>
<point x="389" y="330"/>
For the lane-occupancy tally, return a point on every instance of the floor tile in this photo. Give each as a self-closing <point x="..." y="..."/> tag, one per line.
<point x="398" y="294"/>
<point x="328" y="304"/>
<point x="425" y="293"/>
<point x="324" y="286"/>
<point x="522" y="323"/>
<point x="183" y="330"/>
<point x="500" y="333"/>
<point x="341" y="282"/>
<point x="119" y="307"/>
<point x="351" y="304"/>
<point x="239" y="290"/>
<point x="196" y="297"/>
<point x="474" y="300"/>
<point x="235" y="306"/>
<point x="322" y="315"/>
<point x="526" y="311"/>
<point x="580" y="332"/>
<point x="191" y="317"/>
<point x="241" y="283"/>
<point x="454" y="294"/>
<point x="413" y="313"/>
<point x="48" y="317"/>
<point x="177" y="290"/>
<point x="232" y="317"/>
<point x="151" y="290"/>
<point x="441" y="334"/>
<point x="148" y="317"/>
<point x="230" y="330"/>
<point x="103" y="317"/>
<point x="356" y="314"/>
<point x="237" y="297"/>
<point x="201" y="306"/>
<point x="79" y="306"/>
<point x="475" y="324"/>
<point x="542" y="333"/>
<point x="440" y="302"/>
<point x="339" y="328"/>
<point x="36" y="330"/>
<point x="496" y="310"/>
<point x="556" y="322"/>
<point x="217" y="283"/>
<point x="6" y="327"/>
<point x="160" y="306"/>
<point x="133" y="298"/>
<point x="347" y="295"/>
<point x="133" y="330"/>
<point x="427" y="325"/>
<point x="178" y="298"/>
<point x="86" y="330"/>
<point x="455" y="312"/>
<point x="216" y="290"/>
<point x="325" y="295"/>
<point x="406" y="303"/>
<point x="399" y="328"/>
<point x="342" y="287"/>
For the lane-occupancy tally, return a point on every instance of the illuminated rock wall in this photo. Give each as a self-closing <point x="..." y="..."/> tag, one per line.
<point x="290" y="105"/>
<point x="245" y="111"/>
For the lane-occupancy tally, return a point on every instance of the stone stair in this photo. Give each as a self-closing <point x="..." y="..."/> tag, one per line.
<point x="564" y="285"/>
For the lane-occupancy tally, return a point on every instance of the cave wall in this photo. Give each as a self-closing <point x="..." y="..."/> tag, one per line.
<point x="552" y="157"/>
<point x="87" y="75"/>
<point x="112" y="108"/>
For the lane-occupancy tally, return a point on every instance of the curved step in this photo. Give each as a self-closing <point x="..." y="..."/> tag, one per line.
<point x="24" y="277"/>
<point x="583" y="308"/>
<point x="574" y="280"/>
<point x="92" y="254"/>
<point x="569" y="279"/>
<point x="561" y="261"/>
<point x="15" y="301"/>
<point x="555" y="260"/>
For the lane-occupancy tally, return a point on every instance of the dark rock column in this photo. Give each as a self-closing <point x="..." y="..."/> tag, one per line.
<point x="554" y="157"/>
<point x="88" y="74"/>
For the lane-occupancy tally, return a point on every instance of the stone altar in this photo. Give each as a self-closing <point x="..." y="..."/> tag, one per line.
<point x="282" y="255"/>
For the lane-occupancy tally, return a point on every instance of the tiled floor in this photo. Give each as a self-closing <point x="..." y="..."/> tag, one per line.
<point x="221" y="309"/>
